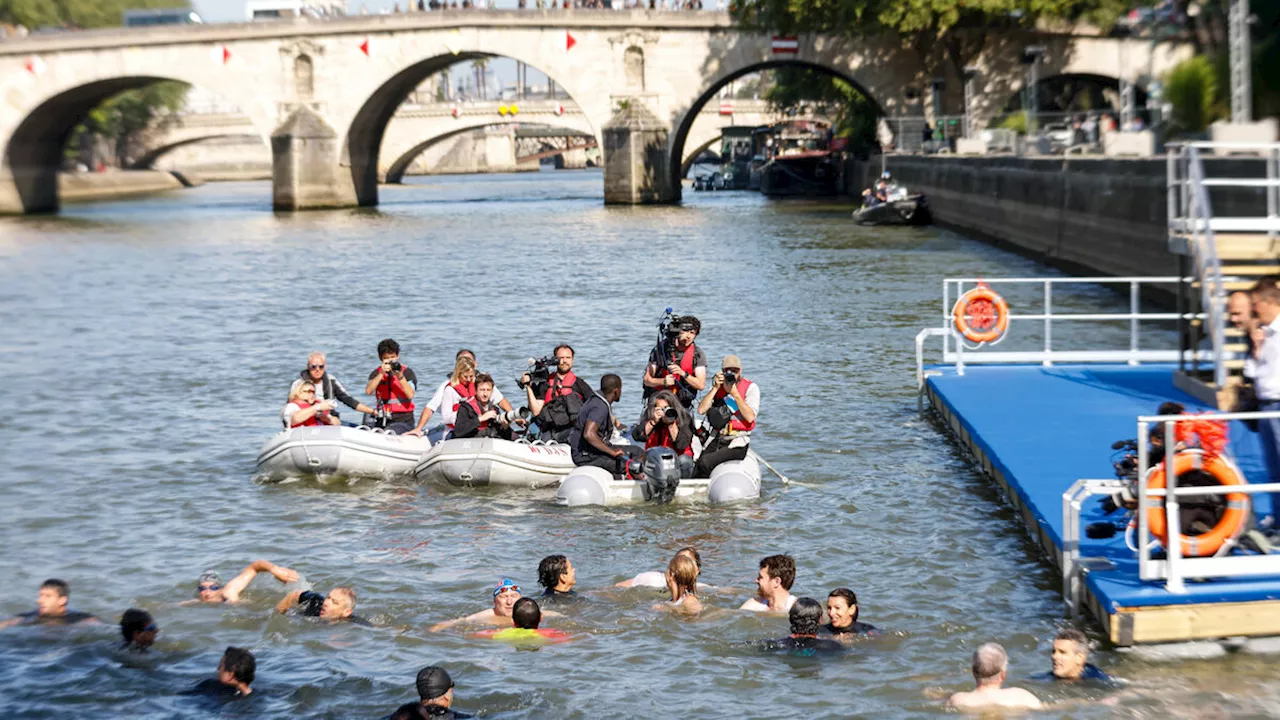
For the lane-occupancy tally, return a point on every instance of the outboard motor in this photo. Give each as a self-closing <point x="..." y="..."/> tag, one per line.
<point x="661" y="474"/>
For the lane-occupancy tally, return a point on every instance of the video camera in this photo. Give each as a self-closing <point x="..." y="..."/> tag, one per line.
<point x="540" y="371"/>
<point x="671" y="325"/>
<point x="1126" y="468"/>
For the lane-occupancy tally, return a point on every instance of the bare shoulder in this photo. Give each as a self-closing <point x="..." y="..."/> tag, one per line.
<point x="1019" y="697"/>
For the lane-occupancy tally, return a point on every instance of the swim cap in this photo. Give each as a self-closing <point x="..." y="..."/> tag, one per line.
<point x="209" y="576"/>
<point x="433" y="682"/>
<point x="507" y="583"/>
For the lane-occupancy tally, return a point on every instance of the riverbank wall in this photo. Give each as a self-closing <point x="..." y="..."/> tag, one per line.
<point x="1089" y="216"/>
<point x="89" y="187"/>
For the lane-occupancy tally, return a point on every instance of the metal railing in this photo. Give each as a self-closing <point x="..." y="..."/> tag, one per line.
<point x="955" y="352"/>
<point x="1175" y="568"/>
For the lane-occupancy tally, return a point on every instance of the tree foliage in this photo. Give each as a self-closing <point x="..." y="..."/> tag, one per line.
<point x="1192" y="88"/>
<point x="853" y="116"/>
<point x="35" y="14"/>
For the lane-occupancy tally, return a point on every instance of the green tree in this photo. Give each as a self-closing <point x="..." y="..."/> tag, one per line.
<point x="35" y="14"/>
<point x="1192" y="88"/>
<point x="853" y="116"/>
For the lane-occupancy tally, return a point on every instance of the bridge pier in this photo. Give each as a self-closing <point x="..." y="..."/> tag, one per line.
<point x="306" y="173"/>
<point x="635" y="159"/>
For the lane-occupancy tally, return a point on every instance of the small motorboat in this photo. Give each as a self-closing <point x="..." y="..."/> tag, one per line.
<point x="329" y="451"/>
<point x="492" y="462"/>
<point x="729" y="482"/>
<point x="899" y="209"/>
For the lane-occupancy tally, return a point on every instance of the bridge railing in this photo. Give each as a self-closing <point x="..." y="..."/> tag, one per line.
<point x="1155" y="342"/>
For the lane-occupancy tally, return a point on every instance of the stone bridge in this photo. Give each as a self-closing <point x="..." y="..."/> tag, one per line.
<point x="325" y="91"/>
<point x="415" y="128"/>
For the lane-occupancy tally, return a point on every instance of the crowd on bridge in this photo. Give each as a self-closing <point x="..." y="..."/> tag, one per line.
<point x="432" y="5"/>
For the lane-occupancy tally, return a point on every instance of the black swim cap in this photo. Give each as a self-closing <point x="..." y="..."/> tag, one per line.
<point x="433" y="682"/>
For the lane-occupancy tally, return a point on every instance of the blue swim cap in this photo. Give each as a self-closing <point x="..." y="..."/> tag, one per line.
<point x="506" y="584"/>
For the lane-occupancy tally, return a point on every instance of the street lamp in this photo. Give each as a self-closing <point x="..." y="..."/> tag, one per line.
<point x="970" y="75"/>
<point x="1031" y="57"/>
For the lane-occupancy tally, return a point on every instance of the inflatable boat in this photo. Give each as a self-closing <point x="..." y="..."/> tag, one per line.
<point x="906" y="210"/>
<point x="339" y="451"/>
<point x="729" y="482"/>
<point x="490" y="462"/>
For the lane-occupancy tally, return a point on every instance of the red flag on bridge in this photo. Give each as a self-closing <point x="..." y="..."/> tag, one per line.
<point x="364" y="47"/>
<point x="569" y="41"/>
<point x="785" y="45"/>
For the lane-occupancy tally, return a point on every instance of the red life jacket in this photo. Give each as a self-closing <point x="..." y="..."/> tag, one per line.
<point x="686" y="364"/>
<point x="735" y="423"/>
<point x="661" y="437"/>
<point x="565" y="386"/>
<point x="466" y="394"/>
<point x="309" y="422"/>
<point x="390" y="398"/>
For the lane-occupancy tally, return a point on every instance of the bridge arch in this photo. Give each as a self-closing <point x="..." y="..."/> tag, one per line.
<point x="369" y="124"/>
<point x="676" y="165"/>
<point x="151" y="156"/>
<point x="396" y="170"/>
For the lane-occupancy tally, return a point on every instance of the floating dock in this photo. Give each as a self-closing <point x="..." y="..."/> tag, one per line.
<point x="1036" y="430"/>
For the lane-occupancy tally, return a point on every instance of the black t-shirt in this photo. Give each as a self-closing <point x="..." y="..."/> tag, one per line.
<point x="595" y="409"/>
<point x="857" y="628"/>
<point x="1091" y="673"/>
<point x="215" y="690"/>
<point x="805" y="646"/>
<point x="553" y="596"/>
<point x="70" y="617"/>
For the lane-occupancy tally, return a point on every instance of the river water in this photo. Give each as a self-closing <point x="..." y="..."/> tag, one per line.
<point x="147" y="347"/>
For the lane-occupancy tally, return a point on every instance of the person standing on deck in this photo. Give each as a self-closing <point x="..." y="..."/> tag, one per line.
<point x="1263" y="367"/>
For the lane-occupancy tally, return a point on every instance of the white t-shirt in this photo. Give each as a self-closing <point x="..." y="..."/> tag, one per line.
<point x="287" y="413"/>
<point x="650" y="579"/>
<point x="757" y="604"/>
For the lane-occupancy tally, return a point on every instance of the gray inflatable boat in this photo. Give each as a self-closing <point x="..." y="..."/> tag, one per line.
<point x="339" y="451"/>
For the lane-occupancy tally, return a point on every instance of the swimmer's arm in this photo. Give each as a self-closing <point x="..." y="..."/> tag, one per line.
<point x="552" y="613"/>
<point x="238" y="583"/>
<point x="625" y="583"/>
<point x="10" y="622"/>
<point x="753" y="604"/>
<point x="473" y="617"/>
<point x="288" y="601"/>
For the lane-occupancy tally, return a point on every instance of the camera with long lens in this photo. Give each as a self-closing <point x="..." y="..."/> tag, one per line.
<point x="730" y="378"/>
<point x="539" y="371"/>
<point x="1126" y="468"/>
<point x="513" y="416"/>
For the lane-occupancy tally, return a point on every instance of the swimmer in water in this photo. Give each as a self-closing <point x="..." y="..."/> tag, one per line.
<point x="505" y="595"/>
<point x="805" y="616"/>
<point x="526" y="616"/>
<point x="656" y="578"/>
<point x="139" y="630"/>
<point x="557" y="576"/>
<point x="51" y="608"/>
<point x="682" y="583"/>
<point x="777" y="574"/>
<point x="236" y="671"/>
<point x="842" y="609"/>
<point x="435" y="693"/>
<point x="1071" y="659"/>
<point x="339" y="604"/>
<point x="211" y="589"/>
<point x="990" y="667"/>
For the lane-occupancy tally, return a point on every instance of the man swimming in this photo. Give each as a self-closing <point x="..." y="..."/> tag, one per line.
<point x="842" y="608"/>
<point x="526" y="616"/>
<point x="139" y="630"/>
<point x="658" y="578"/>
<point x="505" y="595"/>
<point x="51" y="608"/>
<point x="339" y="604"/>
<point x="236" y="672"/>
<point x="556" y="574"/>
<point x="805" y="616"/>
<point x="990" y="668"/>
<point x="777" y="573"/>
<point x="1070" y="658"/>
<point x="211" y="589"/>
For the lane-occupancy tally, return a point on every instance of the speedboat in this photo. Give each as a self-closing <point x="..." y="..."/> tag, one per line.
<point x="327" y="451"/>
<point x="729" y="482"/>
<point x="492" y="462"/>
<point x="899" y="209"/>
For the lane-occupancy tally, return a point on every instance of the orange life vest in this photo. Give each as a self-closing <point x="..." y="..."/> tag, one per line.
<point x="735" y="423"/>
<point x="390" y="396"/>
<point x="309" y="422"/>
<point x="661" y="437"/>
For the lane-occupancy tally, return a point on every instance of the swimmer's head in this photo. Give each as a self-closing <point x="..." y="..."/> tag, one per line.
<point x="990" y="663"/>
<point x="52" y="597"/>
<point x="556" y="571"/>
<point x="505" y="595"/>
<point x="776" y="572"/>
<point x="526" y="614"/>
<point x="1070" y="654"/>
<point x="209" y="587"/>
<point x="682" y="573"/>
<point x="339" y="603"/>
<point x="805" y="616"/>
<point x="693" y="553"/>
<point x="842" y="607"/>
<point x="238" y="666"/>
<point x="138" y="628"/>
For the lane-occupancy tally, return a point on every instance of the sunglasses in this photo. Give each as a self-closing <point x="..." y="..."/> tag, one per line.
<point x="317" y="367"/>
<point x="209" y="588"/>
<point x="151" y="628"/>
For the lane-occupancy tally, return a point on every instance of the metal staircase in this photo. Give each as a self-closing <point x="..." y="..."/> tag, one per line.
<point x="1223" y="254"/>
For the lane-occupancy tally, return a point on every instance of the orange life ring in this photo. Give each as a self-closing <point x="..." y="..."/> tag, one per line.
<point x="981" y="315"/>
<point x="1233" y="518"/>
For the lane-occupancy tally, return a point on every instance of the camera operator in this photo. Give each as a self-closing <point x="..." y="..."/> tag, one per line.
<point x="393" y="385"/>
<point x="303" y="410"/>
<point x="677" y="363"/>
<point x="436" y="404"/>
<point x="665" y="423"/>
<point x="479" y="416"/>
<point x="731" y="409"/>
<point x="589" y="441"/>
<point x="327" y="386"/>
<point x="557" y="407"/>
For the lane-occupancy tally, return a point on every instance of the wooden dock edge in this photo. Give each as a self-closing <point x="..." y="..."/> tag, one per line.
<point x="1125" y="626"/>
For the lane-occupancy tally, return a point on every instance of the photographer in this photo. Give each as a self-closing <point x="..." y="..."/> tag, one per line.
<point x="393" y="385"/>
<point x="730" y="409"/>
<point x="676" y="362"/>
<point x="436" y="404"/>
<point x="303" y="410"/>
<point x="665" y="423"/>
<point x="478" y="416"/>
<point x="327" y="386"/>
<point x="589" y="441"/>
<point x="557" y="406"/>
